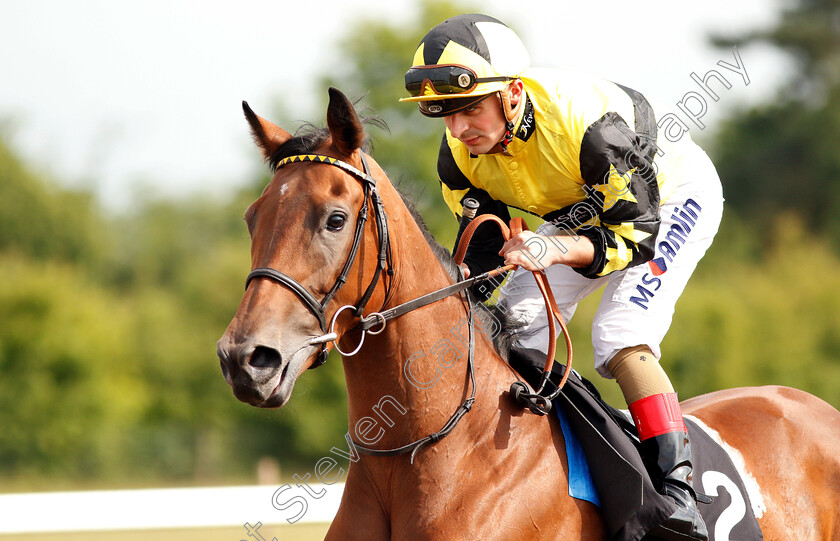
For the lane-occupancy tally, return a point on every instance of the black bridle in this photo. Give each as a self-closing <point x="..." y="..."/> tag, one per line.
<point x="383" y="255"/>
<point x="379" y="319"/>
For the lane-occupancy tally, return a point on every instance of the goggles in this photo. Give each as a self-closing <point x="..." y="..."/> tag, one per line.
<point x="445" y="79"/>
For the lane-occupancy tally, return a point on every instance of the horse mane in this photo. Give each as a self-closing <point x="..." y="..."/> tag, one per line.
<point x="508" y="327"/>
<point x="309" y="137"/>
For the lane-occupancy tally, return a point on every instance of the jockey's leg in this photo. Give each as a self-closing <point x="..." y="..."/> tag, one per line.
<point x="666" y="447"/>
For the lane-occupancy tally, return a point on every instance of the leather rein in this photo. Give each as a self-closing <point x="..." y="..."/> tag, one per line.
<point x="537" y="402"/>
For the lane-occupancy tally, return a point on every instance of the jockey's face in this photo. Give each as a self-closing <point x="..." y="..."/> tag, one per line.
<point x="480" y="127"/>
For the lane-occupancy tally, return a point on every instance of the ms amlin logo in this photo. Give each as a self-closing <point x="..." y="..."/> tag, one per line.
<point x="668" y="248"/>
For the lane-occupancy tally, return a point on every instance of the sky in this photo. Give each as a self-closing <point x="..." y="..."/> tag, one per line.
<point x="143" y="96"/>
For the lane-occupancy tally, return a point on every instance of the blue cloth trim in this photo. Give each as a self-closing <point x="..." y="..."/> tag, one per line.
<point x="580" y="480"/>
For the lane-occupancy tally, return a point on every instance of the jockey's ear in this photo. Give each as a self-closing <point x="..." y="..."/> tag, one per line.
<point x="517" y="91"/>
<point x="512" y="95"/>
<point x="267" y="136"/>
<point x="344" y="124"/>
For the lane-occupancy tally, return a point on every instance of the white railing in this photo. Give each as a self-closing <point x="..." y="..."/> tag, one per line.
<point x="162" y="508"/>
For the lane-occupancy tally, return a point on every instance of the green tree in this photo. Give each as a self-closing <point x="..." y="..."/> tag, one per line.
<point x="107" y="342"/>
<point x="783" y="155"/>
<point x="746" y="322"/>
<point x="373" y="67"/>
<point x="44" y="221"/>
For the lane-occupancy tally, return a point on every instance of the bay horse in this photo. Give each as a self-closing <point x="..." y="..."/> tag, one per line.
<point x="501" y="473"/>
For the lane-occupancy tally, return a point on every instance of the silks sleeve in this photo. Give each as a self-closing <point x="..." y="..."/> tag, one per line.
<point x="483" y="252"/>
<point x="622" y="195"/>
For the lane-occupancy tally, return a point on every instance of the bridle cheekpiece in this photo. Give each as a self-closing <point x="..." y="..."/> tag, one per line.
<point x="318" y="308"/>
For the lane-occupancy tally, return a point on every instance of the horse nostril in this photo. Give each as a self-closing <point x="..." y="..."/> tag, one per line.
<point x="224" y="367"/>
<point x="264" y="357"/>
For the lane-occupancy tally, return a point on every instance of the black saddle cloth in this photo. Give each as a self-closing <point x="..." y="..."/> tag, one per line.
<point x="630" y="504"/>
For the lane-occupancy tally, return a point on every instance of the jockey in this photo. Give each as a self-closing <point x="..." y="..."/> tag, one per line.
<point x="624" y="207"/>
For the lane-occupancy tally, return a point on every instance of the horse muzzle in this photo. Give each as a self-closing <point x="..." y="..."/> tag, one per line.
<point x="261" y="375"/>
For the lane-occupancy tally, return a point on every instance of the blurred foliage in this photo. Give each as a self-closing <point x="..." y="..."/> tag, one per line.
<point x="782" y="155"/>
<point x="41" y="222"/>
<point x="745" y="321"/>
<point x="109" y="373"/>
<point x="373" y="68"/>
<point x="107" y="347"/>
<point x="749" y="316"/>
<point x="808" y="31"/>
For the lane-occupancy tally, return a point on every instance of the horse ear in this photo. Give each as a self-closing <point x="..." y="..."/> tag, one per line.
<point x="344" y="124"/>
<point x="266" y="135"/>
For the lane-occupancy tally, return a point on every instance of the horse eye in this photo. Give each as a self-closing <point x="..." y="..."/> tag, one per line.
<point x="336" y="221"/>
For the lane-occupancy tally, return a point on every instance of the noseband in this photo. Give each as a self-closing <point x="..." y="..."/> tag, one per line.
<point x="318" y="308"/>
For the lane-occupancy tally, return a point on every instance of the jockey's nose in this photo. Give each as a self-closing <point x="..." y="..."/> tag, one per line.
<point x="457" y="124"/>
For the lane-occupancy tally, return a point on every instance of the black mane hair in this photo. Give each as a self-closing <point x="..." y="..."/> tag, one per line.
<point x="488" y="313"/>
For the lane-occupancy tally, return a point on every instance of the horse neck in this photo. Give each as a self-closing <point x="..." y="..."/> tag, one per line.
<point x="418" y="366"/>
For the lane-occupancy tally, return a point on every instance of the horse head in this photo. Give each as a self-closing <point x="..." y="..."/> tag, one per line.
<point x="306" y="230"/>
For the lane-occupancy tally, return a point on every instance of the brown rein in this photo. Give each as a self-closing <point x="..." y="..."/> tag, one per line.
<point x="517" y="225"/>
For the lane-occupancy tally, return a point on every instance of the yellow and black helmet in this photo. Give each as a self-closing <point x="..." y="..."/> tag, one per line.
<point x="461" y="61"/>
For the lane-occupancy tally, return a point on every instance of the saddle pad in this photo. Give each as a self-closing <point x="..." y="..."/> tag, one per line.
<point x="737" y="503"/>
<point x="630" y="504"/>
<point x="581" y="485"/>
<point x="737" y="500"/>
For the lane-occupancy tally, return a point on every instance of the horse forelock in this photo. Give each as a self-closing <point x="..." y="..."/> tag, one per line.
<point x="309" y="138"/>
<point x="306" y="140"/>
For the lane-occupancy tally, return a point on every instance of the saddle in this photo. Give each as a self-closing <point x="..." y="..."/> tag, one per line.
<point x="630" y="504"/>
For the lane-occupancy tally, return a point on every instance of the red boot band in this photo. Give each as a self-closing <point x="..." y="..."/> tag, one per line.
<point x="657" y="414"/>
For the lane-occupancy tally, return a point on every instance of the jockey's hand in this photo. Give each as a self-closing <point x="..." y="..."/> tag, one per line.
<point x="465" y="270"/>
<point x="530" y="251"/>
<point x="535" y="252"/>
